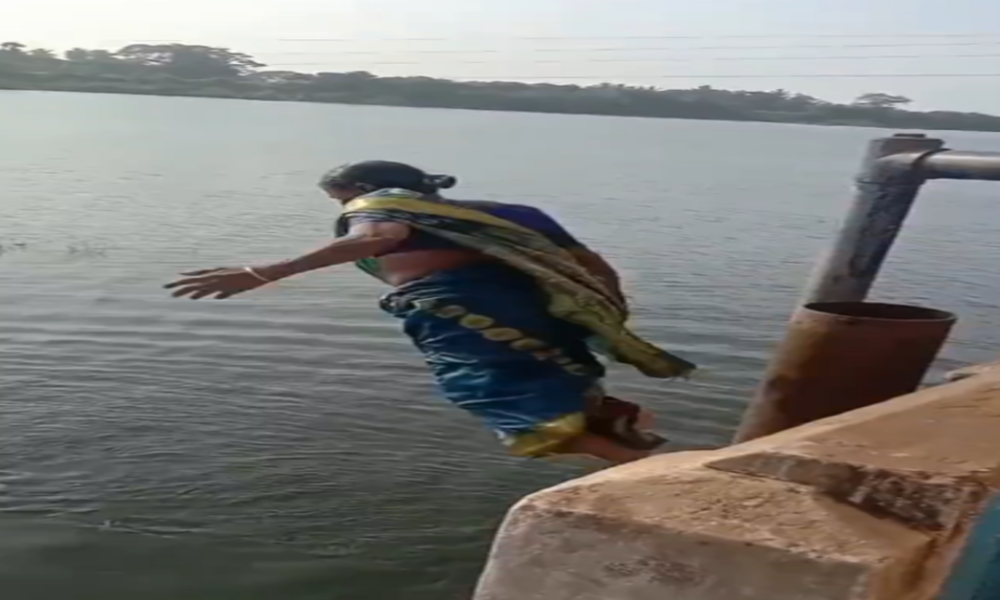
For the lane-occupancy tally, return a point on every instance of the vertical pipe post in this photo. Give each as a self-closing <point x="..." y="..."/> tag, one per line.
<point x="840" y="356"/>
<point x="882" y="201"/>
<point x="885" y="192"/>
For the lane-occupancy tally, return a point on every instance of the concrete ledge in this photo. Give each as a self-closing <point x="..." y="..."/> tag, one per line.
<point x="925" y="459"/>
<point x="973" y="370"/>
<point x="864" y="506"/>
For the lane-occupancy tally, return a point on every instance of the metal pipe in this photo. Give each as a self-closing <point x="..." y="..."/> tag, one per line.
<point x="954" y="164"/>
<point x="885" y="192"/>
<point x="840" y="356"/>
<point x="947" y="164"/>
<point x="797" y="384"/>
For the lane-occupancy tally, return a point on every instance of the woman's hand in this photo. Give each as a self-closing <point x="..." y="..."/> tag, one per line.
<point x="220" y="283"/>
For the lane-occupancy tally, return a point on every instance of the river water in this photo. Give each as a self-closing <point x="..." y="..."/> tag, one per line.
<point x="287" y="444"/>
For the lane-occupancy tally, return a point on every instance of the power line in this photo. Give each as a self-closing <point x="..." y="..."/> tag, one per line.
<point x="670" y="59"/>
<point x="569" y="38"/>
<point x="957" y="36"/>
<point x="640" y="49"/>
<point x="721" y="76"/>
<point x="654" y="37"/>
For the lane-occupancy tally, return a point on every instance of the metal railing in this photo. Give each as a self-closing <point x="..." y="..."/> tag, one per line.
<point x="893" y="171"/>
<point x="892" y="174"/>
<point x="834" y="337"/>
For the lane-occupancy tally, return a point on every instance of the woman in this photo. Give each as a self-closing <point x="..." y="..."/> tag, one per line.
<point x="502" y="301"/>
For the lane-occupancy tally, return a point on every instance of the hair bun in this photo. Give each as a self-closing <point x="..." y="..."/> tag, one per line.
<point x="442" y="182"/>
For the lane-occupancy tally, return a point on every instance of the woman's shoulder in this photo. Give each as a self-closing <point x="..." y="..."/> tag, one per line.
<point x="480" y="204"/>
<point x="492" y="205"/>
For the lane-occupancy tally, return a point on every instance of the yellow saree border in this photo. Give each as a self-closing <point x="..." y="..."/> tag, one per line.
<point x="574" y="294"/>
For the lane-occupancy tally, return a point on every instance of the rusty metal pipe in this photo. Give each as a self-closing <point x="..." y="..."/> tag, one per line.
<point x="884" y="193"/>
<point x="840" y="356"/>
<point x="892" y="173"/>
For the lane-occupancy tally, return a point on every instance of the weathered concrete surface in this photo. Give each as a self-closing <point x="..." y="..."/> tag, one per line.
<point x="863" y="506"/>
<point x="973" y="370"/>
<point x="922" y="459"/>
<point x="669" y="528"/>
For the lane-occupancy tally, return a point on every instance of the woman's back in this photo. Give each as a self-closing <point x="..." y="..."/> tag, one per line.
<point x="423" y="253"/>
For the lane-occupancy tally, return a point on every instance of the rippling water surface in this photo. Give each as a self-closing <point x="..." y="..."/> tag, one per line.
<point x="287" y="444"/>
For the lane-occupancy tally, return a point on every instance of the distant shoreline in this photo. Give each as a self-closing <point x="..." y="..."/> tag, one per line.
<point x="178" y="70"/>
<point x="203" y="95"/>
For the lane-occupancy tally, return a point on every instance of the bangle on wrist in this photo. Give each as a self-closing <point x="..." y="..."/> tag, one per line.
<point x="255" y="273"/>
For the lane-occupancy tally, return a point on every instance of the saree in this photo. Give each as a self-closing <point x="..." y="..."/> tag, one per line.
<point x="574" y="295"/>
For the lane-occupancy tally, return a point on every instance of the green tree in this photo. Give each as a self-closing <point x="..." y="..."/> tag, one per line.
<point x="12" y="48"/>
<point x="186" y="70"/>
<point x="77" y="55"/>
<point x="881" y="100"/>
<point x="282" y="77"/>
<point x="190" y="62"/>
<point x="42" y="54"/>
<point x="103" y="56"/>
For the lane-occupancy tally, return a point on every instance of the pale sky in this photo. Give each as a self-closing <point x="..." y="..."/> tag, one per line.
<point x="689" y="43"/>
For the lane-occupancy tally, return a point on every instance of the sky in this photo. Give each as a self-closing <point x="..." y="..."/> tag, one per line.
<point x="806" y="46"/>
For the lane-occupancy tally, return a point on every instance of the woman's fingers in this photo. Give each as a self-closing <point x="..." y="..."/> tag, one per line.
<point x="186" y="291"/>
<point x="200" y="280"/>
<point x="203" y="272"/>
<point x="195" y="277"/>
<point x="197" y="292"/>
<point x="211" y="283"/>
<point x="203" y="293"/>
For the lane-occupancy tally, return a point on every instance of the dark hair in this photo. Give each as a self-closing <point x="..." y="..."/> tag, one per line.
<point x="372" y="175"/>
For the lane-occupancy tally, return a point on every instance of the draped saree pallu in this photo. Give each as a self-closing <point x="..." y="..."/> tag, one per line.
<point x="511" y="340"/>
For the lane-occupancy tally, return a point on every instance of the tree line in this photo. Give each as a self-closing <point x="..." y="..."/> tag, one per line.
<point x="195" y="70"/>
